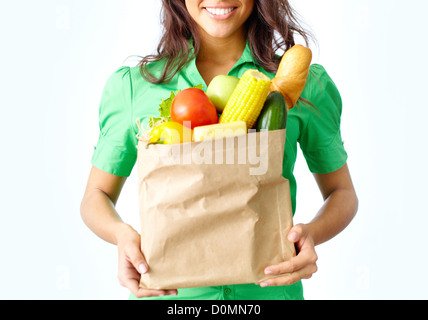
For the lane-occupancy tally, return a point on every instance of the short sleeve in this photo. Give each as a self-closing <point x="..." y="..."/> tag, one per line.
<point x="321" y="140"/>
<point x="116" y="150"/>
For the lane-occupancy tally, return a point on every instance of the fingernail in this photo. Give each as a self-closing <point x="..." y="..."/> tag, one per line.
<point x="293" y="236"/>
<point x="268" y="271"/>
<point x="143" y="268"/>
<point x="264" y="284"/>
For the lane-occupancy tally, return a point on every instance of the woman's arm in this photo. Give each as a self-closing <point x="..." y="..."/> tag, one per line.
<point x="98" y="205"/>
<point x="99" y="213"/>
<point x="340" y="207"/>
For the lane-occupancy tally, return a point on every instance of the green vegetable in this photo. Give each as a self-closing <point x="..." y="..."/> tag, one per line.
<point x="165" y="106"/>
<point x="164" y="110"/>
<point x="274" y="113"/>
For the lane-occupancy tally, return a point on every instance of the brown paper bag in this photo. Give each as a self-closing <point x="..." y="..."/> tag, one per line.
<point x="215" y="212"/>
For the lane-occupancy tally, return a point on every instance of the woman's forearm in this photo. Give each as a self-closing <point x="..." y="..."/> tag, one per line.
<point x="334" y="216"/>
<point x="99" y="214"/>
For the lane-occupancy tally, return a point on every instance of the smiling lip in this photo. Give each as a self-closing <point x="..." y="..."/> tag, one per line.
<point x="220" y="12"/>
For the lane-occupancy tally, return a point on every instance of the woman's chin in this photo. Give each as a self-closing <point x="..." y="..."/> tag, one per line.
<point x="219" y="32"/>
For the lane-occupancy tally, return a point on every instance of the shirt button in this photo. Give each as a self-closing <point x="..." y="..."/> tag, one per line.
<point x="227" y="291"/>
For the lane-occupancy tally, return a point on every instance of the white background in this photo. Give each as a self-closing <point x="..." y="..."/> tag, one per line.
<point x="55" y="59"/>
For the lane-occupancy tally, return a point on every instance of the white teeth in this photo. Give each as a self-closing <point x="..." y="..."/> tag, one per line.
<point x="218" y="11"/>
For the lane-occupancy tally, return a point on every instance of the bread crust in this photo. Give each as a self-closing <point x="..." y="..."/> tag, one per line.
<point x="290" y="79"/>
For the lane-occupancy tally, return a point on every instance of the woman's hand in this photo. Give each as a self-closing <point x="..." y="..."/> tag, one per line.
<point x="132" y="264"/>
<point x="302" y="266"/>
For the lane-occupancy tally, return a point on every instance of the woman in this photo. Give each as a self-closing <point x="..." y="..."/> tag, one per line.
<point x="202" y="39"/>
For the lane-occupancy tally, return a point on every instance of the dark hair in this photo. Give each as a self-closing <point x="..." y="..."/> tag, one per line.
<point x="271" y="27"/>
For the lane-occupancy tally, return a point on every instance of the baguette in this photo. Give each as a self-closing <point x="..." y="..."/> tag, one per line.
<point x="292" y="73"/>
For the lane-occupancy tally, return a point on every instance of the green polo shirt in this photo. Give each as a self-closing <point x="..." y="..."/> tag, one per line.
<point x="128" y="97"/>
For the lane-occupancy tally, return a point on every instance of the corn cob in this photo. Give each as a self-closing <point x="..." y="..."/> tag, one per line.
<point x="248" y="98"/>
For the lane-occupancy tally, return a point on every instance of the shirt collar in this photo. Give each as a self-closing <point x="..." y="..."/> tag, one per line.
<point x="247" y="55"/>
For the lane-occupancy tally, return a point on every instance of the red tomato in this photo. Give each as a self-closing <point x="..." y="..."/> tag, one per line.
<point x="193" y="105"/>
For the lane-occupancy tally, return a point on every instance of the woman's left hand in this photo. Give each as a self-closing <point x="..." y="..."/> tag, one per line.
<point x="302" y="266"/>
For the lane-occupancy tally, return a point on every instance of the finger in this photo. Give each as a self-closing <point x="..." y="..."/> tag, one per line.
<point x="172" y="292"/>
<point x="304" y="258"/>
<point x="296" y="233"/>
<point x="139" y="292"/>
<point x="289" y="266"/>
<point x="137" y="259"/>
<point x="130" y="278"/>
<point x="133" y="284"/>
<point x="147" y="293"/>
<point x="291" y="278"/>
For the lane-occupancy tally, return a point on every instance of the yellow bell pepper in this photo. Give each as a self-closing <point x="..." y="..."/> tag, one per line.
<point x="170" y="133"/>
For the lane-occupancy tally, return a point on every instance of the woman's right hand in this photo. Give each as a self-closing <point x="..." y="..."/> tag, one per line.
<point x="132" y="264"/>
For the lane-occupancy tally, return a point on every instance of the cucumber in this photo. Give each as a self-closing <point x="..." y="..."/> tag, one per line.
<point x="274" y="113"/>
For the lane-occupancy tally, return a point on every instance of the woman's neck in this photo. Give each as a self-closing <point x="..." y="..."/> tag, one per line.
<point x="218" y="55"/>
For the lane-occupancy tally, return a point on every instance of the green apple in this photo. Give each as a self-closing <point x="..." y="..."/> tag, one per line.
<point x="220" y="89"/>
